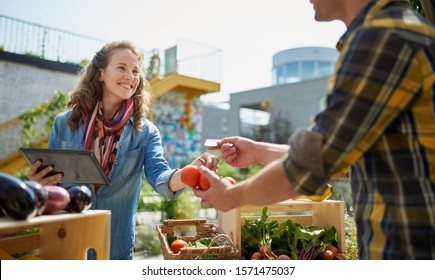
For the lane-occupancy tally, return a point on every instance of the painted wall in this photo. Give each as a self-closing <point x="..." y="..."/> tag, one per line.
<point x="181" y="137"/>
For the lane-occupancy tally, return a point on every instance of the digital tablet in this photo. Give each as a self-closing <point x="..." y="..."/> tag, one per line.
<point x="77" y="166"/>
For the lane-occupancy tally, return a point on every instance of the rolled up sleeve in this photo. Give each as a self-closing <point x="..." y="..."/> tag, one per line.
<point x="162" y="185"/>
<point x="304" y="164"/>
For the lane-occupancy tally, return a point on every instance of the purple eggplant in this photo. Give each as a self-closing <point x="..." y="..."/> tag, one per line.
<point x="41" y="194"/>
<point x="58" y="199"/>
<point x="17" y="200"/>
<point x="80" y="199"/>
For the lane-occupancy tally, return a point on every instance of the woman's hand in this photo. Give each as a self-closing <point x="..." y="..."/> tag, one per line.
<point x="36" y="176"/>
<point x="208" y="160"/>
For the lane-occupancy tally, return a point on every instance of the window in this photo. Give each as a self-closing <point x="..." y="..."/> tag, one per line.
<point x="292" y="73"/>
<point x="307" y="70"/>
<point x="280" y="75"/>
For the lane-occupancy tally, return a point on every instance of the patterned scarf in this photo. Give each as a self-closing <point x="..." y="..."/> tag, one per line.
<point x="102" y="136"/>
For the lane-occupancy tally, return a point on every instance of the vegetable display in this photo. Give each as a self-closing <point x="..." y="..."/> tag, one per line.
<point x="270" y="240"/>
<point x="22" y="200"/>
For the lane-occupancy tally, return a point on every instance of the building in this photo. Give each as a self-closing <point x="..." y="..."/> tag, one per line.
<point x="299" y="81"/>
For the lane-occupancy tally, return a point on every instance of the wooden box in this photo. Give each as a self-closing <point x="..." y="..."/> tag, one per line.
<point x="324" y="214"/>
<point x="62" y="236"/>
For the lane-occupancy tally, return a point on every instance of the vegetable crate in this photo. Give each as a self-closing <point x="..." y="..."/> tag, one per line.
<point x="323" y="214"/>
<point x="61" y="236"/>
<point x="226" y="249"/>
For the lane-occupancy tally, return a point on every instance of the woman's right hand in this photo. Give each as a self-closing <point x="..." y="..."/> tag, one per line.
<point x="36" y="176"/>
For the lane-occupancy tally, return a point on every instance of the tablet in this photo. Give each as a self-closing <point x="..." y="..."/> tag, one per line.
<point x="77" y="166"/>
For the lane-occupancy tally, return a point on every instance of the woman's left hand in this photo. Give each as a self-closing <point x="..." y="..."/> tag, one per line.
<point x="208" y="160"/>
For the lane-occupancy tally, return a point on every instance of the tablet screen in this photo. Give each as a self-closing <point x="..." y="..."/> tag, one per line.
<point x="77" y="166"/>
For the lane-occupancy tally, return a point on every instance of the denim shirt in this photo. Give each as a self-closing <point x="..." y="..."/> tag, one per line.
<point x="139" y="153"/>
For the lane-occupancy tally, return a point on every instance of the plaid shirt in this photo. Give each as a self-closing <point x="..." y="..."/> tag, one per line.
<point x="379" y="120"/>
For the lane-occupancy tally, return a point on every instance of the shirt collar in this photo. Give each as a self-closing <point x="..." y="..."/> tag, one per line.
<point x="367" y="14"/>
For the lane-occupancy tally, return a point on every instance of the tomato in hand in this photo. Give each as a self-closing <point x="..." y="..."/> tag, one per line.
<point x="190" y="175"/>
<point x="204" y="184"/>
<point x="177" y="244"/>
<point x="231" y="179"/>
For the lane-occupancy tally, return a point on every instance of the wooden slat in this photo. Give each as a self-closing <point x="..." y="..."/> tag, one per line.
<point x="19" y="244"/>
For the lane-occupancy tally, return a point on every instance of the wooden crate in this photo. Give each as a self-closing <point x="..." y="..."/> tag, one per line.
<point x="324" y="214"/>
<point x="62" y="236"/>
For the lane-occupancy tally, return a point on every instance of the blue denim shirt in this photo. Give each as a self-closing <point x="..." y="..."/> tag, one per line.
<point x="139" y="153"/>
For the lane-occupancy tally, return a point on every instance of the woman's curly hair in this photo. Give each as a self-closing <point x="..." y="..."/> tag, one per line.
<point x="89" y="89"/>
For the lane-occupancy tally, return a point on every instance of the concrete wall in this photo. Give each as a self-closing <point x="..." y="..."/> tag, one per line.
<point x="27" y="82"/>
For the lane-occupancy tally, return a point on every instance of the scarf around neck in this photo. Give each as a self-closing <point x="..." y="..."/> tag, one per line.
<point x="102" y="136"/>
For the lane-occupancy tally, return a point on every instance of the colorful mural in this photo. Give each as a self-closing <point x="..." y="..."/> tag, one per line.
<point x="181" y="135"/>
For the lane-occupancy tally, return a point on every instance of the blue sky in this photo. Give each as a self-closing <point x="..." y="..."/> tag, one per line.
<point x="248" y="32"/>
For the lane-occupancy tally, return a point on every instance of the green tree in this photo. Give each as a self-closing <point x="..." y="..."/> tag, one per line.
<point x="425" y="8"/>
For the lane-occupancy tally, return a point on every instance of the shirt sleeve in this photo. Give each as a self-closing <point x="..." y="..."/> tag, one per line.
<point x="374" y="80"/>
<point x="157" y="169"/>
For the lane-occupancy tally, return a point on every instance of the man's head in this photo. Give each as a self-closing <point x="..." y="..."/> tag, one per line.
<point x="344" y="10"/>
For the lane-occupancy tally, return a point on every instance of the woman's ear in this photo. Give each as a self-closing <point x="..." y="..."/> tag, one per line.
<point x="100" y="75"/>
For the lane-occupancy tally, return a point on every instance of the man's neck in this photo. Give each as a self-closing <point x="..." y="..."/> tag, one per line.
<point x="352" y="9"/>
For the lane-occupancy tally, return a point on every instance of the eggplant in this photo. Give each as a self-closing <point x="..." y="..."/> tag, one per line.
<point x="58" y="199"/>
<point x="80" y="199"/>
<point x="41" y="194"/>
<point x="17" y="200"/>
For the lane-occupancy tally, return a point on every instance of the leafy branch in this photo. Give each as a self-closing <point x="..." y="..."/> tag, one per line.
<point x="44" y="113"/>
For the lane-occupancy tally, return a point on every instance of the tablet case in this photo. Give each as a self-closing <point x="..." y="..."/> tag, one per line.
<point x="78" y="166"/>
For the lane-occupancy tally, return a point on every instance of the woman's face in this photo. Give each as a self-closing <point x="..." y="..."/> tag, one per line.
<point x="121" y="76"/>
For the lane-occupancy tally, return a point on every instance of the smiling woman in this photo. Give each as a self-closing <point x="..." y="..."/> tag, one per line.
<point x="107" y="115"/>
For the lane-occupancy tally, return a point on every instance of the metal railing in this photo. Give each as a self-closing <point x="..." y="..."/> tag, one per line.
<point x="186" y="57"/>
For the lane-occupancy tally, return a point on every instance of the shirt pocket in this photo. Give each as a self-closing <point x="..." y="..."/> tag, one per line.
<point x="133" y="162"/>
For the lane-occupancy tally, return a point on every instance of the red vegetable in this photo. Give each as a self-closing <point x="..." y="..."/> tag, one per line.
<point x="190" y="175"/>
<point x="204" y="184"/>
<point x="177" y="244"/>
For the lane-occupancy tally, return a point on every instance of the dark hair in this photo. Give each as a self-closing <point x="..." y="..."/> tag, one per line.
<point x="89" y="89"/>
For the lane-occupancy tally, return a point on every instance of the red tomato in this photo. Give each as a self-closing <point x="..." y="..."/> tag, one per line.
<point x="231" y="179"/>
<point x="177" y="244"/>
<point x="190" y="175"/>
<point x="204" y="184"/>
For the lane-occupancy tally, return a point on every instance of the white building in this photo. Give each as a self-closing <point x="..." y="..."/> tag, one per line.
<point x="299" y="81"/>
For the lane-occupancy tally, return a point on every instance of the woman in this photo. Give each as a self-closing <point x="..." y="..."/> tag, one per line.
<point x="107" y="114"/>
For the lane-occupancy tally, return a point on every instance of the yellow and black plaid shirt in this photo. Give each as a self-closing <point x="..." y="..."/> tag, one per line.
<point x="379" y="120"/>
